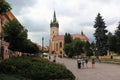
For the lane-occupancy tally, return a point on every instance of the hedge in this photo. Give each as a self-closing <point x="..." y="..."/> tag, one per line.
<point x="35" y="68"/>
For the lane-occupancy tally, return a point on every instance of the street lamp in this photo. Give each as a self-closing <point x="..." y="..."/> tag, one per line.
<point x="42" y="44"/>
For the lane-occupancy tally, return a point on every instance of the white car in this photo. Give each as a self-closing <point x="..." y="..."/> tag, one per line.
<point x="46" y="55"/>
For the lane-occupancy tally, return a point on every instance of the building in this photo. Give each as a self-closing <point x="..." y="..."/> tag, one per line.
<point x="4" y="18"/>
<point x="57" y="41"/>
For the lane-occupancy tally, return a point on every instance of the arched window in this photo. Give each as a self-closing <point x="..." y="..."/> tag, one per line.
<point x="56" y="46"/>
<point x="60" y="44"/>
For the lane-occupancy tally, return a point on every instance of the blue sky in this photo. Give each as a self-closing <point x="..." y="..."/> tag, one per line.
<point x="73" y="16"/>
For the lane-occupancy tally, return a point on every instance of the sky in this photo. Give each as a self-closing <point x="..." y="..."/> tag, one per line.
<point x="73" y="16"/>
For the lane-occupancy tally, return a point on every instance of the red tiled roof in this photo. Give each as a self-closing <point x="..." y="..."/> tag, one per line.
<point x="61" y="37"/>
<point x="10" y="15"/>
<point x="82" y="37"/>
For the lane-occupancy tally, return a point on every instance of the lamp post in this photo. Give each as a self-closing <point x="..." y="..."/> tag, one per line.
<point x="42" y="44"/>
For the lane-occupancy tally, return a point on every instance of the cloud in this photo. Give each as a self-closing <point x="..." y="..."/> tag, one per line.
<point x="73" y="16"/>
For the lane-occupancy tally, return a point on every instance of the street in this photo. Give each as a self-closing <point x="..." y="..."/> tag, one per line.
<point x="101" y="71"/>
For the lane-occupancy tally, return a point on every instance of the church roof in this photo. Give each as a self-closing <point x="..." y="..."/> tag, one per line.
<point x="61" y="37"/>
<point x="82" y="37"/>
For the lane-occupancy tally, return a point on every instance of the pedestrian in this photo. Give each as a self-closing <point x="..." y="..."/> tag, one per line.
<point x="79" y="63"/>
<point x="49" y="57"/>
<point x="83" y="61"/>
<point x="93" y="62"/>
<point x="99" y="59"/>
<point x="86" y="62"/>
<point x="54" y="58"/>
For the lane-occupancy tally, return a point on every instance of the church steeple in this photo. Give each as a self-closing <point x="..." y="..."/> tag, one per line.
<point x="81" y="32"/>
<point x="54" y="17"/>
<point x="54" y="22"/>
<point x="54" y="27"/>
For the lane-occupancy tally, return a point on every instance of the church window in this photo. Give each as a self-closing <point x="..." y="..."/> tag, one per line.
<point x="60" y="44"/>
<point x="56" y="46"/>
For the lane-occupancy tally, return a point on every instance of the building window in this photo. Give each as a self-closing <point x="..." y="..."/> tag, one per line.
<point x="56" y="46"/>
<point x="60" y="44"/>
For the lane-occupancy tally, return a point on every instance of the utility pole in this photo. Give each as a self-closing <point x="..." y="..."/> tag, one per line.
<point x="42" y="44"/>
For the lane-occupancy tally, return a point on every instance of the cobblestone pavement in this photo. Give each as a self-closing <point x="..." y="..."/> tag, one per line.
<point x="101" y="71"/>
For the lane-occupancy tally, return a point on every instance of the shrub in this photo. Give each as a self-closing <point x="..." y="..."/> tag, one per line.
<point x="35" y="68"/>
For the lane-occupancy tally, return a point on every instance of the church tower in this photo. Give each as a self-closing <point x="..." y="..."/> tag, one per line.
<point x="54" y="27"/>
<point x="54" y="30"/>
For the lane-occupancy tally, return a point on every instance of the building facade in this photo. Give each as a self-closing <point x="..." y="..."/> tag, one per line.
<point x="4" y="18"/>
<point x="57" y="41"/>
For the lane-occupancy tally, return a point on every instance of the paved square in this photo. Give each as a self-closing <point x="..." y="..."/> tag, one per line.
<point x="100" y="72"/>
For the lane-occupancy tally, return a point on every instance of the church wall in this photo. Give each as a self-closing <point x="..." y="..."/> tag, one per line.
<point x="54" y="32"/>
<point x="56" y="46"/>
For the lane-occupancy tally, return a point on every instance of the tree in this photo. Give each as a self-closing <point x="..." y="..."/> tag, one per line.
<point x="93" y="48"/>
<point x="68" y="45"/>
<point x="87" y="49"/>
<point x="117" y="35"/>
<point x="100" y="35"/>
<point x="16" y="35"/>
<point x="68" y="48"/>
<point x="78" y="46"/>
<point x="4" y="6"/>
<point x="29" y="47"/>
<point x="111" y="42"/>
<point x="67" y="38"/>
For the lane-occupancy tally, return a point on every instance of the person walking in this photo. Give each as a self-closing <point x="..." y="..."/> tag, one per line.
<point x="99" y="59"/>
<point x="54" y="58"/>
<point x="86" y="62"/>
<point x="79" y="63"/>
<point x="93" y="62"/>
<point x="83" y="61"/>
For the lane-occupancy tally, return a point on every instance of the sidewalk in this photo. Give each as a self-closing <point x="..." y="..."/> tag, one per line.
<point x="100" y="72"/>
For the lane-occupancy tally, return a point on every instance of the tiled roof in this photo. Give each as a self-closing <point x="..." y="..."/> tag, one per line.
<point x="82" y="37"/>
<point x="10" y="15"/>
<point x="61" y="37"/>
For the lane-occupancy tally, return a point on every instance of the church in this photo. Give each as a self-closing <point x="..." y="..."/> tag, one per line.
<point x="57" y="41"/>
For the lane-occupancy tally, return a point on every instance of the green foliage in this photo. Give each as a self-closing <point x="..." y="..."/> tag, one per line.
<point x="68" y="48"/>
<point x="29" y="47"/>
<point x="4" y="6"/>
<point x="68" y="38"/>
<point x="78" y="46"/>
<point x="12" y="77"/>
<point x="100" y="35"/>
<point x="93" y="48"/>
<point x="68" y="45"/>
<point x="111" y="42"/>
<point x="16" y="35"/>
<point x="72" y="47"/>
<point x="87" y="49"/>
<point x="35" y="69"/>
<point x="117" y="35"/>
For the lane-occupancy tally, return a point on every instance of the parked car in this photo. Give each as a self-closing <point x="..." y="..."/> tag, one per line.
<point x="46" y="55"/>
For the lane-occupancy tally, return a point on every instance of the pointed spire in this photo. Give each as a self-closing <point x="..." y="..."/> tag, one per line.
<point x="54" y="17"/>
<point x="81" y="32"/>
<point x="54" y="22"/>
